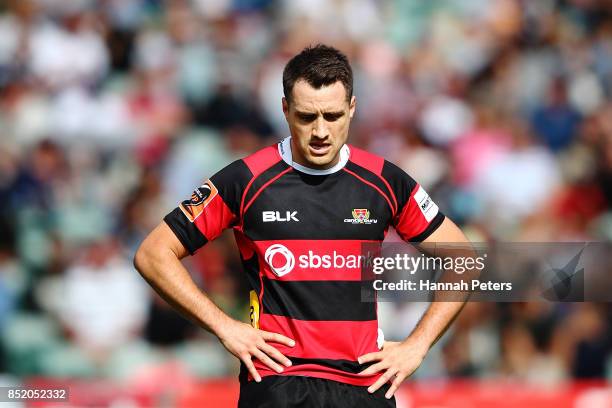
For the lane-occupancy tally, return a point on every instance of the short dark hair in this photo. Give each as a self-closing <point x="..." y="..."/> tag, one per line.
<point x="319" y="65"/>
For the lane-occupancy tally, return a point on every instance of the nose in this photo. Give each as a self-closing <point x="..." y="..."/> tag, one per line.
<point x="320" y="129"/>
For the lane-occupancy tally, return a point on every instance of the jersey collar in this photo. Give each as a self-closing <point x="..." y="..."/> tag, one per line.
<point x="284" y="149"/>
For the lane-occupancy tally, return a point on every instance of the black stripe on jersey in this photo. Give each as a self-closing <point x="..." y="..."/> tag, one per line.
<point x="262" y="179"/>
<point x="251" y="268"/>
<point x="322" y="204"/>
<point x="231" y="182"/>
<point x="317" y="300"/>
<point x="344" y="365"/>
<point x="433" y="225"/>
<point x="189" y="235"/>
<point x="401" y="183"/>
<point x="372" y="178"/>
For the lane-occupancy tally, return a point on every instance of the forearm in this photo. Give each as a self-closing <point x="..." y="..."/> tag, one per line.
<point x="163" y="270"/>
<point x="159" y="261"/>
<point x="434" y="323"/>
<point x="447" y="241"/>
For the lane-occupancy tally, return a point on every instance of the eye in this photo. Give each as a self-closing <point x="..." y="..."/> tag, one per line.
<point x="307" y="117"/>
<point x="332" y="117"/>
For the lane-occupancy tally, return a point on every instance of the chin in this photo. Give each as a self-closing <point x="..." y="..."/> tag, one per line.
<point x="321" y="161"/>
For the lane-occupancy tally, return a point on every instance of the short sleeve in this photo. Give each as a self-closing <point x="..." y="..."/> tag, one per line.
<point x="212" y="207"/>
<point x="417" y="216"/>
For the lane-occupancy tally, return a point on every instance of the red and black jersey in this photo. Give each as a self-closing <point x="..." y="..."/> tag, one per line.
<point x="300" y="233"/>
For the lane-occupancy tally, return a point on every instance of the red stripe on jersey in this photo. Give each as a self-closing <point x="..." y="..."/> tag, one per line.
<point x="248" y="186"/>
<point x="244" y="244"/>
<point x="262" y="160"/>
<point x="317" y="371"/>
<point x="373" y="163"/>
<point x="366" y="160"/>
<point x="261" y="285"/>
<point x="393" y="210"/>
<point x="257" y="163"/>
<point x="315" y="260"/>
<point x="335" y="340"/>
<point x="390" y="191"/>
<point x="411" y="222"/>
<point x="215" y="218"/>
<point x="258" y="192"/>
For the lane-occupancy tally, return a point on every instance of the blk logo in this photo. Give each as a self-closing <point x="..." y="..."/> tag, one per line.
<point x="278" y="216"/>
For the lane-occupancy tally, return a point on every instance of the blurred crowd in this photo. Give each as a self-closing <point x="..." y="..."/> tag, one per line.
<point x="111" y="111"/>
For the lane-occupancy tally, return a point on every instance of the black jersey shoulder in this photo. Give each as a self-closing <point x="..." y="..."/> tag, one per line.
<point x="231" y="181"/>
<point x="237" y="179"/>
<point x="262" y="180"/>
<point x="401" y="183"/>
<point x="368" y="167"/>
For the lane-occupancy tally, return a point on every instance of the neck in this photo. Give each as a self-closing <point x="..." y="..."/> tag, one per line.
<point x="286" y="151"/>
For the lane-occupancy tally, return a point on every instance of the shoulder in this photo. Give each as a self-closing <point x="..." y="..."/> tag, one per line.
<point x="241" y="171"/>
<point x="378" y="165"/>
<point x="397" y="176"/>
<point x="234" y="179"/>
<point x="367" y="160"/>
<point x="262" y="159"/>
<point x="395" y="180"/>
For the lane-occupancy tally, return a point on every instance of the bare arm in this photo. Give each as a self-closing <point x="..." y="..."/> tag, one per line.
<point x="158" y="260"/>
<point x="400" y="359"/>
<point x="439" y="315"/>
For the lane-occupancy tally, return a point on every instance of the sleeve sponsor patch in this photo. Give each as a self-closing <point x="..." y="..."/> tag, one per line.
<point x="426" y="204"/>
<point x="200" y="198"/>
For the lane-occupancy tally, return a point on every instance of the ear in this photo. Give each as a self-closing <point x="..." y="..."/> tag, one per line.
<point x="352" y="106"/>
<point x="285" y="108"/>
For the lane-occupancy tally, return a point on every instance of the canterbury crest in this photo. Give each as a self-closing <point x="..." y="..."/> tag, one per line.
<point x="360" y="216"/>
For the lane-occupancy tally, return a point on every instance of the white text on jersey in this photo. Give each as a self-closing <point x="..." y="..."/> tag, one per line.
<point x="272" y="216"/>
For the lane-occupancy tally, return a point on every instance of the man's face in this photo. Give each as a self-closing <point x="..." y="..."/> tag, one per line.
<point x="319" y="122"/>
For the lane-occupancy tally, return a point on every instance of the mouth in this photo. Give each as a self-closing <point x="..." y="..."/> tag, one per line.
<point x="319" y="148"/>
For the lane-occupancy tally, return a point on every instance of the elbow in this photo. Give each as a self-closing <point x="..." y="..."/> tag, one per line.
<point x="142" y="257"/>
<point x="155" y="252"/>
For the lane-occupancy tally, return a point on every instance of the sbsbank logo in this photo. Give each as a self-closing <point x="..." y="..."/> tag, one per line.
<point x="282" y="261"/>
<point x="284" y="266"/>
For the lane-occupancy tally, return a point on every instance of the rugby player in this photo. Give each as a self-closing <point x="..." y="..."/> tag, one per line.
<point x="300" y="211"/>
